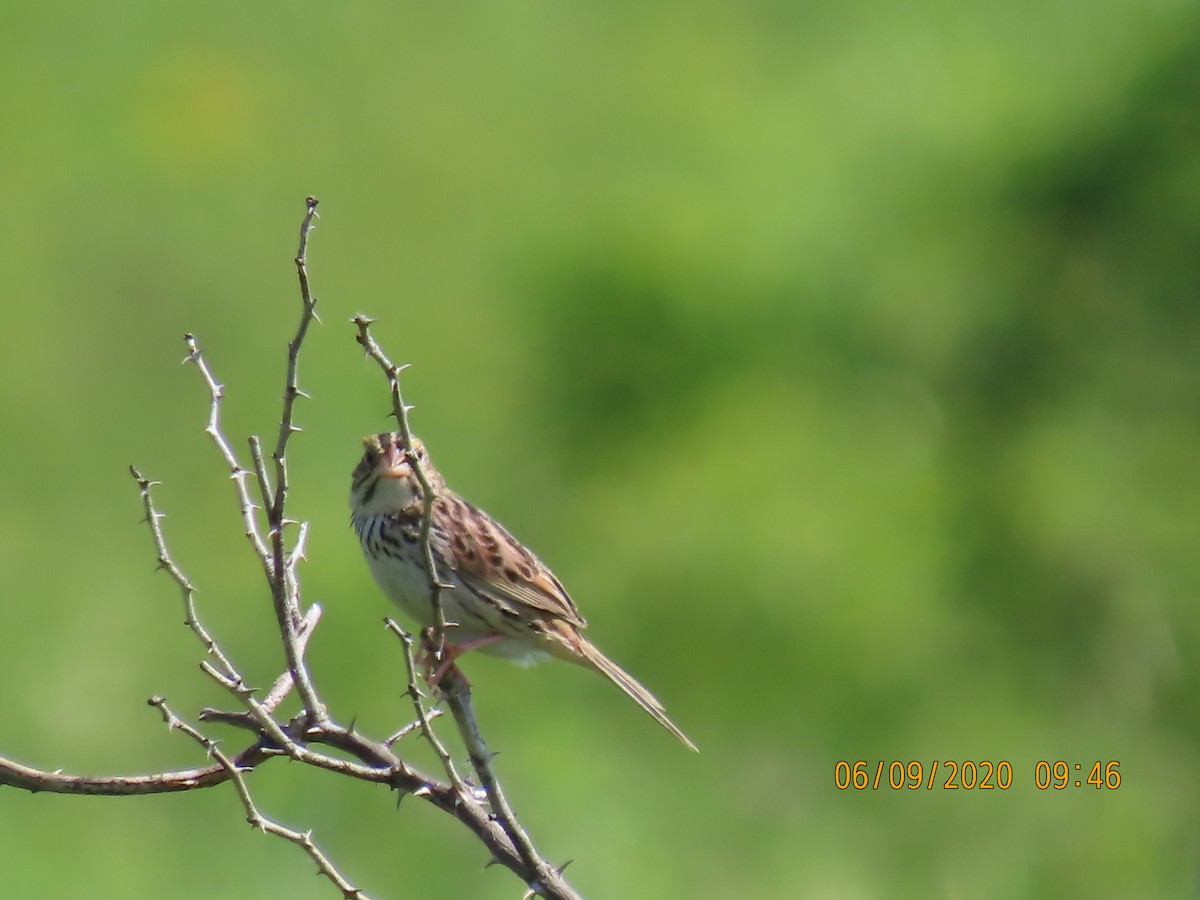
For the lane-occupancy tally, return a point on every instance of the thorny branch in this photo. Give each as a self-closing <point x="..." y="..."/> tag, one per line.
<point x="454" y="685"/>
<point x="400" y="411"/>
<point x="423" y="716"/>
<point x="482" y="810"/>
<point x="302" y="839"/>
<point x="167" y="564"/>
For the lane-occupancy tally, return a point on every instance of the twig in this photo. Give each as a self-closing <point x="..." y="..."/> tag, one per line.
<point x="537" y="871"/>
<point x="302" y="839"/>
<point x="284" y="586"/>
<point x="34" y="780"/>
<point x="355" y="756"/>
<point x="260" y="471"/>
<point x="291" y="389"/>
<point x="458" y="698"/>
<point x="282" y="685"/>
<point x="225" y="673"/>
<point x="167" y="564"/>
<point x="400" y="410"/>
<point x="415" y="725"/>
<point x="414" y="692"/>
<point x="237" y="473"/>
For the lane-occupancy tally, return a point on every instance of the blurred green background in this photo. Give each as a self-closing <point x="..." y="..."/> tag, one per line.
<point x="842" y="358"/>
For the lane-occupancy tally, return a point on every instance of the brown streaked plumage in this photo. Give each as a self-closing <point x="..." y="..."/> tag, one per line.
<point x="502" y="594"/>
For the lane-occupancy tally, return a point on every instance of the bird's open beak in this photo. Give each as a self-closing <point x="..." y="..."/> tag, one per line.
<point x="387" y="456"/>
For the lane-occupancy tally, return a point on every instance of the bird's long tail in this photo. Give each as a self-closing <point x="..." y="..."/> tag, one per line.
<point x="591" y="656"/>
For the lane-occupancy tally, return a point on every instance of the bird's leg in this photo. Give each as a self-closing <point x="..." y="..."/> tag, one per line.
<point x="449" y="654"/>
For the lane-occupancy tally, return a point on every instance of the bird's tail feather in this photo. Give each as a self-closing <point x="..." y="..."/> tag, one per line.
<point x="632" y="687"/>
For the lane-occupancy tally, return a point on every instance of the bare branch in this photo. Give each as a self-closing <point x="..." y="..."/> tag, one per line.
<point x="167" y="564"/>
<point x="283" y="684"/>
<point x="236" y="471"/>
<point x="400" y="410"/>
<point x="415" y="725"/>
<point x="253" y="816"/>
<point x="27" y="778"/>
<point x="458" y="698"/>
<point x="311" y="737"/>
<point x="539" y="874"/>
<point x="414" y="692"/>
<point x="265" y="491"/>
<point x="285" y="585"/>
<point x="378" y="765"/>
<point x="291" y="389"/>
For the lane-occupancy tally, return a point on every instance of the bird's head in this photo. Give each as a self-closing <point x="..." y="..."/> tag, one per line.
<point x="385" y="480"/>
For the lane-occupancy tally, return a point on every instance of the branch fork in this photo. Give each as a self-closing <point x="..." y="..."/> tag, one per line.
<point x="261" y="490"/>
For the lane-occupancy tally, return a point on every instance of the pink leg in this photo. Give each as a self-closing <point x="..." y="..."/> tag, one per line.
<point x="451" y="652"/>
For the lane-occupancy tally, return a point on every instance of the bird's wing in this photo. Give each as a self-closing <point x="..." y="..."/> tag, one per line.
<point x="490" y="560"/>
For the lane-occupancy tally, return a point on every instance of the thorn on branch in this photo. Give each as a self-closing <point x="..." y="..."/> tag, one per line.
<point x="193" y="349"/>
<point x="292" y="739"/>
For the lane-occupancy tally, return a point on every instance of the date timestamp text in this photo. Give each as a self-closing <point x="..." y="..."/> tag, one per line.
<point x="972" y="775"/>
